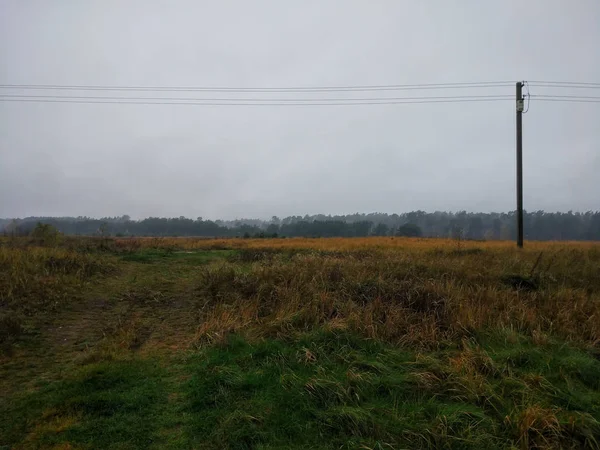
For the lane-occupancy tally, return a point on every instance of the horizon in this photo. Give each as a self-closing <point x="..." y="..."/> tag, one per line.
<point x="269" y="219"/>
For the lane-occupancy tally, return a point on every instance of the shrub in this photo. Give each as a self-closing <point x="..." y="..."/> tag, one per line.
<point x="45" y="234"/>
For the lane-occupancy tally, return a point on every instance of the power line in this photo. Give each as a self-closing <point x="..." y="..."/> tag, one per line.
<point x="186" y="99"/>
<point x="566" y="83"/>
<point x="568" y="100"/>
<point x="391" y="87"/>
<point x="527" y="96"/>
<point x="221" y="103"/>
<point x="388" y="87"/>
<point x="584" y="97"/>
<point x="293" y="101"/>
<point x="564" y="86"/>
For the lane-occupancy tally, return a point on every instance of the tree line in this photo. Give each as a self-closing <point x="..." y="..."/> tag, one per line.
<point x="539" y="225"/>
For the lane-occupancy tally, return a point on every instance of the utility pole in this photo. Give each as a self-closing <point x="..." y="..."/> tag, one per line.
<point x="520" y="103"/>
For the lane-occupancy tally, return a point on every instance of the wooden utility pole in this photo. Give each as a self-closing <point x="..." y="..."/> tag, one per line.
<point x="520" y="103"/>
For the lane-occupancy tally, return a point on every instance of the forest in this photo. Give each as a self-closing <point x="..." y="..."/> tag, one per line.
<point x="539" y="225"/>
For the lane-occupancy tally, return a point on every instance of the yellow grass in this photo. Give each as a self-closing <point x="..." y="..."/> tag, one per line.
<point x="382" y="243"/>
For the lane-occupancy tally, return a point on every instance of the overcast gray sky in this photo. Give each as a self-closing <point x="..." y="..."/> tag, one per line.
<point x="242" y="161"/>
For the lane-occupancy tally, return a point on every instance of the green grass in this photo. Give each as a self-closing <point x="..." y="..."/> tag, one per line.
<point x="317" y="390"/>
<point x="113" y="404"/>
<point x="150" y="256"/>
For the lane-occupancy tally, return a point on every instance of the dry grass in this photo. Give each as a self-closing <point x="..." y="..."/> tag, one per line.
<point x="417" y="298"/>
<point x="400" y="290"/>
<point x="38" y="281"/>
<point x="341" y="244"/>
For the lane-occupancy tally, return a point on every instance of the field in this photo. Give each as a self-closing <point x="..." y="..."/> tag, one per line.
<point x="366" y="343"/>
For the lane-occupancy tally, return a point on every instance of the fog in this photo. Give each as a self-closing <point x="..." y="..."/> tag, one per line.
<point x="257" y="161"/>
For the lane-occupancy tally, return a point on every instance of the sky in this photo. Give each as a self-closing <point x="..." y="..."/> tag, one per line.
<point x="71" y="159"/>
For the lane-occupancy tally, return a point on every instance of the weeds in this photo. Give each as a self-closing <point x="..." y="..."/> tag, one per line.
<point x="40" y="279"/>
<point x="383" y="300"/>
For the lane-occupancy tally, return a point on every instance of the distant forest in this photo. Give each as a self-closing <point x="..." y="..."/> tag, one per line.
<point x="538" y="225"/>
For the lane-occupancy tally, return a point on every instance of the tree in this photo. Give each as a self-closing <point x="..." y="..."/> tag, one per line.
<point x="12" y="229"/>
<point x="409" y="230"/>
<point x="475" y="228"/>
<point x="539" y="225"/>
<point x="45" y="234"/>
<point x="272" y="230"/>
<point x="103" y="229"/>
<point x="381" y="229"/>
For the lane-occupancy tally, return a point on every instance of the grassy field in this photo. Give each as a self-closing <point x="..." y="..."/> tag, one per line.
<point x="374" y="343"/>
